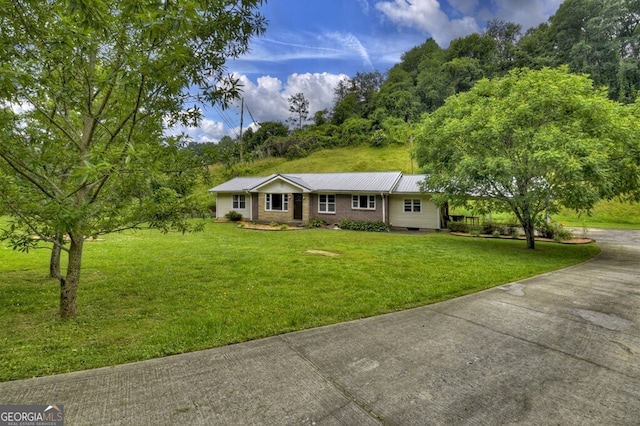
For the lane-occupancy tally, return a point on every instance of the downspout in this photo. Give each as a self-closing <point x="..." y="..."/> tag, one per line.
<point x="384" y="208"/>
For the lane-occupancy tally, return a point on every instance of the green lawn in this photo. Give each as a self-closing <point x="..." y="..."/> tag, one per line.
<point x="145" y="294"/>
<point x="606" y="214"/>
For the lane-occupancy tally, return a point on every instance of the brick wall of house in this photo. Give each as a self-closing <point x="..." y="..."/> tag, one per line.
<point x="345" y="211"/>
<point x="263" y="215"/>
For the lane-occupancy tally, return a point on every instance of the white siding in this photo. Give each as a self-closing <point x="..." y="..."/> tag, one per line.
<point x="427" y="218"/>
<point x="224" y="204"/>
<point x="279" y="187"/>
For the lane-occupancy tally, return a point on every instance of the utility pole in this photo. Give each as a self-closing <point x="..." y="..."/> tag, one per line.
<point x="241" y="124"/>
<point x="412" y="154"/>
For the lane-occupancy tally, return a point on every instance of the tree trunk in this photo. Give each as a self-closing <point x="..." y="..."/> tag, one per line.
<point x="54" y="262"/>
<point x="69" y="284"/>
<point x="529" y="231"/>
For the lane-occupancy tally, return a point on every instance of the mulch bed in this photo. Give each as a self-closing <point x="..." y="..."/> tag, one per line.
<point x="522" y="237"/>
<point x="268" y="227"/>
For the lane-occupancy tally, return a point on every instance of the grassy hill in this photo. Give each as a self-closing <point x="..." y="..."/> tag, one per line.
<point x="352" y="159"/>
<point x="611" y="214"/>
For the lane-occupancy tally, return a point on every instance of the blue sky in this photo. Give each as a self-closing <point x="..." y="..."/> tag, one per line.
<point x="310" y="45"/>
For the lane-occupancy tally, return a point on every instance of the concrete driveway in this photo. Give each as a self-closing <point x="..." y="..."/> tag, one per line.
<point x="561" y="348"/>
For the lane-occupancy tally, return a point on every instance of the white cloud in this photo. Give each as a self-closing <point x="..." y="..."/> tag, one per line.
<point x="17" y="108"/>
<point x="209" y="130"/>
<point x="466" y="7"/>
<point x="364" y="6"/>
<point x="427" y="15"/>
<point x="351" y="43"/>
<point x="526" y="13"/>
<point x="267" y="100"/>
<point x="467" y="16"/>
<point x="264" y="100"/>
<point x="285" y="46"/>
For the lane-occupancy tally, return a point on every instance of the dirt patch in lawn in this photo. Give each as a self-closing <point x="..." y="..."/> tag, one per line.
<point x="322" y="253"/>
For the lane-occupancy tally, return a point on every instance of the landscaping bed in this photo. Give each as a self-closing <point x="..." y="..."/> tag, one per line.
<point x="573" y="240"/>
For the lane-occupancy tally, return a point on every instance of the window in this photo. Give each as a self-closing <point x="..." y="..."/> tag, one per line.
<point x="327" y="203"/>
<point x="277" y="202"/>
<point x="367" y="202"/>
<point x="412" y="206"/>
<point x="239" y="202"/>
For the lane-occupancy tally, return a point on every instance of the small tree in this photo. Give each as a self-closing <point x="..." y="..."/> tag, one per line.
<point x="98" y="82"/>
<point x="299" y="107"/>
<point x="528" y="142"/>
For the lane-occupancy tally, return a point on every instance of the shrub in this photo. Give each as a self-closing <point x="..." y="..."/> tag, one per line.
<point x="545" y="230"/>
<point x="489" y="228"/>
<point x="378" y="139"/>
<point x="317" y="223"/>
<point x="233" y="216"/>
<point x="458" y="227"/>
<point x="562" y="234"/>
<point x="361" y="225"/>
<point x="554" y="231"/>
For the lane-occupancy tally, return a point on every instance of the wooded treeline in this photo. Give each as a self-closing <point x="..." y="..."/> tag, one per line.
<point x="600" y="38"/>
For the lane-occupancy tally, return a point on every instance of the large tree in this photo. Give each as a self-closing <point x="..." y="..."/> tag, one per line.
<point x="600" y="38"/>
<point x="87" y="89"/>
<point x="531" y="141"/>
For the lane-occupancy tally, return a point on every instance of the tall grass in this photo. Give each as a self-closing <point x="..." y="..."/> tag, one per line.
<point x="145" y="294"/>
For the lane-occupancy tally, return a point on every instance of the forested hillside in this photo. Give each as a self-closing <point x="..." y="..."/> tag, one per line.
<point x="598" y="37"/>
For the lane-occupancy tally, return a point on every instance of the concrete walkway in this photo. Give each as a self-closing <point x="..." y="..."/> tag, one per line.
<point x="561" y="348"/>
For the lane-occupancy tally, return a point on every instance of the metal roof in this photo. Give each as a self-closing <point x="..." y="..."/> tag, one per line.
<point x="238" y="184"/>
<point x="373" y="182"/>
<point x="409" y="184"/>
<point x="349" y="182"/>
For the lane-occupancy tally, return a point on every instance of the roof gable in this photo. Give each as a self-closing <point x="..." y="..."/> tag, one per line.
<point x="291" y="180"/>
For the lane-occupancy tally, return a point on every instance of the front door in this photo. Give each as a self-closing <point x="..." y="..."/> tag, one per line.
<point x="297" y="206"/>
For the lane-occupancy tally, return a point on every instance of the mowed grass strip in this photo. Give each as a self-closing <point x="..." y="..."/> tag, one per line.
<point x="145" y="294"/>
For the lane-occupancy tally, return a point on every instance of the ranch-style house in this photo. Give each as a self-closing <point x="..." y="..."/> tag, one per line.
<point x="300" y="198"/>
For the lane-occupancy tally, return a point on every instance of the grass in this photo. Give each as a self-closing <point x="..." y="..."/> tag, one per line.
<point x="606" y="214"/>
<point x="144" y="294"/>
<point x="352" y="159"/>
